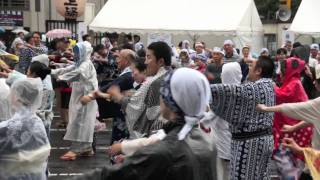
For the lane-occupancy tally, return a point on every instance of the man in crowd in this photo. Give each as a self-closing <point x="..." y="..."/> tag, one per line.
<point x="137" y="43"/>
<point x="314" y="48"/>
<point x="143" y="108"/>
<point x="230" y="54"/>
<point x="214" y="67"/>
<point x="252" y="140"/>
<point x="38" y="46"/>
<point x="123" y="82"/>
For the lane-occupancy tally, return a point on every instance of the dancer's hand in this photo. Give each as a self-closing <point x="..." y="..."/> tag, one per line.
<point x="114" y="90"/>
<point x="288" y="129"/>
<point x="115" y="149"/>
<point x="262" y="107"/>
<point x="85" y="100"/>
<point x="292" y="145"/>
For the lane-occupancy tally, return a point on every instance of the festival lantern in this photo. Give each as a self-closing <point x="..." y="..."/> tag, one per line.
<point x="70" y="9"/>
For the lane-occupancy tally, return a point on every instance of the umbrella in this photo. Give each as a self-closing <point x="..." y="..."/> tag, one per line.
<point x="2" y="30"/>
<point x="17" y="31"/>
<point x="58" y="33"/>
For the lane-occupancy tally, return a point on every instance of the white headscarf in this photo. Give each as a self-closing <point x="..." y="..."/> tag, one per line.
<point x="191" y="92"/>
<point x="231" y="73"/>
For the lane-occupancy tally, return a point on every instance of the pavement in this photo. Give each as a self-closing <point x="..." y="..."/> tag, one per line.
<point x="59" y="169"/>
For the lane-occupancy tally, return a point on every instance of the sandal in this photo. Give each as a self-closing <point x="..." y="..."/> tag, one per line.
<point x="69" y="156"/>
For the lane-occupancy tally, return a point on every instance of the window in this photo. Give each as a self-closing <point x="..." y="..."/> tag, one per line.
<point x="270" y="42"/>
<point x="22" y="5"/>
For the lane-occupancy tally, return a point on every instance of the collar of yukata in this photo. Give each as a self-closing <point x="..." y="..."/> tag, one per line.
<point x="126" y="70"/>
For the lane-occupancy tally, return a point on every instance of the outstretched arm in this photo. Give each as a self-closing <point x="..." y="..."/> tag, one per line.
<point x="308" y="111"/>
<point x="224" y="98"/>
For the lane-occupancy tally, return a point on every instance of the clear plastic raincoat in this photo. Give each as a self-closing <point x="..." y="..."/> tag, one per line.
<point x="24" y="146"/>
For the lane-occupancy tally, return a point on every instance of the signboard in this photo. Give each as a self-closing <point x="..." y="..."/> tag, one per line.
<point x="155" y="37"/>
<point x="70" y="9"/>
<point x="11" y="18"/>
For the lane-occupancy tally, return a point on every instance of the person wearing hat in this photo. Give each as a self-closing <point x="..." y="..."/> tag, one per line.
<point x="185" y="60"/>
<point x="199" y="47"/>
<point x="231" y="54"/>
<point x="314" y="49"/>
<point x="264" y="52"/>
<point x="214" y="67"/>
<point x="200" y="62"/>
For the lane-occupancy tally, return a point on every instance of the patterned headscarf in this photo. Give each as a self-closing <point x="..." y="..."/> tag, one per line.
<point x="82" y="52"/>
<point x="166" y="93"/>
<point x="187" y="92"/>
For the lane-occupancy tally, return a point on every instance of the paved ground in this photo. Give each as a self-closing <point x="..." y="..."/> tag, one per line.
<point x="65" y="169"/>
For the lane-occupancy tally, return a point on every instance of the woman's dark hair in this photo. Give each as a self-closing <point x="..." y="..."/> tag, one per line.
<point x="99" y="47"/>
<point x="296" y="44"/>
<point x="128" y="46"/>
<point x="39" y="69"/>
<point x="137" y="36"/>
<point x="267" y="66"/>
<point x="282" y="50"/>
<point x="139" y="64"/>
<point x="28" y="37"/>
<point x="180" y="45"/>
<point x="141" y="53"/>
<point x="84" y="37"/>
<point x="36" y="32"/>
<point x="161" y="50"/>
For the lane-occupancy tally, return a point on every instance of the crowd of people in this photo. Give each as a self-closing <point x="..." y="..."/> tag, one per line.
<point x="185" y="112"/>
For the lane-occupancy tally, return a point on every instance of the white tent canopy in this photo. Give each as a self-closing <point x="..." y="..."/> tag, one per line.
<point x="237" y="19"/>
<point x="306" y="20"/>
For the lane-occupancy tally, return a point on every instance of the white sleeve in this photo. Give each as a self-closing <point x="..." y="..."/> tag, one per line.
<point x="308" y="111"/>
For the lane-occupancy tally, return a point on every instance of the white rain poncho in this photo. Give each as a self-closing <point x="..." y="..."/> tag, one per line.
<point x="4" y="101"/>
<point x="24" y="146"/>
<point x="83" y="77"/>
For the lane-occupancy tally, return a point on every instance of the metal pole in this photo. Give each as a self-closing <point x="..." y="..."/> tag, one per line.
<point x="50" y="6"/>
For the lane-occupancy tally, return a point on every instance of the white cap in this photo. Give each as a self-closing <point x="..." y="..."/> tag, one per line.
<point x="198" y="44"/>
<point x="42" y="58"/>
<point x="218" y="50"/>
<point x="264" y="50"/>
<point x="314" y="46"/>
<point x="228" y="41"/>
